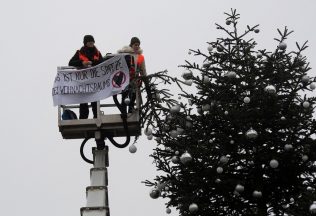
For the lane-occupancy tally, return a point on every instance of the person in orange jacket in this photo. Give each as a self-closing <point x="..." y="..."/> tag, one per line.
<point x="135" y="72"/>
<point x="86" y="57"/>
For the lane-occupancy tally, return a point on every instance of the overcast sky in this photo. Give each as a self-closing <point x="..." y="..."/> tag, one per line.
<point x="42" y="174"/>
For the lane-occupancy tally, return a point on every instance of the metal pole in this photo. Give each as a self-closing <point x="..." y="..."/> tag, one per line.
<point x="97" y="192"/>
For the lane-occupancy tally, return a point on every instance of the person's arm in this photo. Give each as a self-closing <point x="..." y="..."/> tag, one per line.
<point x="75" y="61"/>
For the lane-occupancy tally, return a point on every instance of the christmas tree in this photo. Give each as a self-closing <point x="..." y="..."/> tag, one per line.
<point x="239" y="138"/>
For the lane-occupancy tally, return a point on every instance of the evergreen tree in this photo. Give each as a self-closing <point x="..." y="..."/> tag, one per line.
<point x="244" y="143"/>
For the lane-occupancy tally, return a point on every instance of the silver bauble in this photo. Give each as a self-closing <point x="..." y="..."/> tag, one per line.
<point x="226" y="112"/>
<point x="210" y="48"/>
<point x="257" y="194"/>
<point x="282" y="46"/>
<point x="305" y="79"/>
<point x="185" y="158"/>
<point x="188" y="82"/>
<point x="231" y="141"/>
<point x="223" y="159"/>
<point x="274" y="163"/>
<point x="306" y="104"/>
<point x="288" y="147"/>
<point x="174" y="159"/>
<point x="206" y="79"/>
<point x="304" y="157"/>
<point x="231" y="74"/>
<point x="176" y="152"/>
<point x="206" y="107"/>
<point x="193" y="208"/>
<point x="239" y="188"/>
<point x="168" y="210"/>
<point x="246" y="100"/>
<point x="154" y="193"/>
<point x="180" y="130"/>
<point x="217" y="181"/>
<point x="251" y="134"/>
<point x="175" y="109"/>
<point x="309" y="188"/>
<point x="259" y="55"/>
<point x="188" y="124"/>
<point x="158" y="139"/>
<point x="312" y="208"/>
<point x="150" y="137"/>
<point x="312" y="86"/>
<point x="219" y="170"/>
<point x="187" y="74"/>
<point x="283" y="118"/>
<point x="256" y="30"/>
<point x="127" y="101"/>
<point x="148" y="131"/>
<point x="132" y="148"/>
<point x="270" y="89"/>
<point x="173" y="133"/>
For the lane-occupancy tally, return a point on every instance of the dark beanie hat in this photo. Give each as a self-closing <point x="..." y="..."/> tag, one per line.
<point x="134" y="40"/>
<point x="88" y="38"/>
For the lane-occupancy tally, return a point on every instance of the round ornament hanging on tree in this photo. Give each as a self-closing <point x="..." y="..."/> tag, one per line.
<point x="251" y="134"/>
<point x="219" y="170"/>
<point x="210" y="48"/>
<point x="188" y="82"/>
<point x="132" y="148"/>
<point x="223" y="159"/>
<point x="185" y="158"/>
<point x="282" y="46"/>
<point x="270" y="89"/>
<point x="193" y="208"/>
<point x="168" y="210"/>
<point x="231" y="74"/>
<point x="174" y="159"/>
<point x="148" y="131"/>
<point x="175" y="109"/>
<point x="306" y="104"/>
<point x="288" y="147"/>
<point x="173" y="133"/>
<point x="305" y="79"/>
<point x="154" y="193"/>
<point x="312" y="208"/>
<point x="257" y="194"/>
<point x="150" y="137"/>
<point x="239" y="188"/>
<point x="206" y="79"/>
<point x="246" y="100"/>
<point x="274" y="163"/>
<point x="312" y="86"/>
<point x="187" y="74"/>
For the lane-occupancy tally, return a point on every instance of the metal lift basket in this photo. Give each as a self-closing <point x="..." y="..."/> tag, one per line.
<point x="108" y="124"/>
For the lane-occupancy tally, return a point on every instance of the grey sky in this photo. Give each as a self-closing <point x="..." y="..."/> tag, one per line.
<point x="43" y="174"/>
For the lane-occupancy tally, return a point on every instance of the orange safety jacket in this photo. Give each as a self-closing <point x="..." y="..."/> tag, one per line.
<point x="96" y="57"/>
<point x="140" y="60"/>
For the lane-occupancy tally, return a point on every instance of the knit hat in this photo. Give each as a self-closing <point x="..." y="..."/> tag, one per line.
<point x="134" y="40"/>
<point x="88" y="38"/>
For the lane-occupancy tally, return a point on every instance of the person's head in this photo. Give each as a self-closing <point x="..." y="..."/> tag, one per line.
<point x="88" y="41"/>
<point x="135" y="43"/>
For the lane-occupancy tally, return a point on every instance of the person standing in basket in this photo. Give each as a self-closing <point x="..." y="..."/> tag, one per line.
<point x="86" y="57"/>
<point x="137" y="70"/>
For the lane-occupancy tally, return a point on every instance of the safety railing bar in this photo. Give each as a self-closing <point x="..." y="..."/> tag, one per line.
<point x="77" y="106"/>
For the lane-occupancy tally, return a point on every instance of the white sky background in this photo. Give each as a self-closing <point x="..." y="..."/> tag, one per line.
<point x="42" y="174"/>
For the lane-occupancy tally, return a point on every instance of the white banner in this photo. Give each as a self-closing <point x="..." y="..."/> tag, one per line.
<point x="73" y="86"/>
